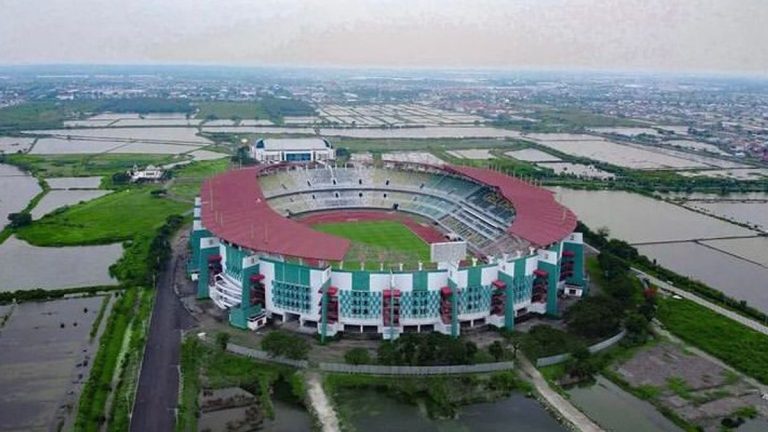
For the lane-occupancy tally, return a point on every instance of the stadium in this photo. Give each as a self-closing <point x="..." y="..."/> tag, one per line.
<point x="381" y="249"/>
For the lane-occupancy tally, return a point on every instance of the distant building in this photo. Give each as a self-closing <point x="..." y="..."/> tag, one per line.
<point x="150" y="173"/>
<point x="292" y="150"/>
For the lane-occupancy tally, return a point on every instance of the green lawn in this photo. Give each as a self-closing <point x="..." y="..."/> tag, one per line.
<point x="115" y="217"/>
<point x="188" y="178"/>
<point x="84" y="165"/>
<point x="731" y="342"/>
<point x="379" y="241"/>
<point x="229" y="110"/>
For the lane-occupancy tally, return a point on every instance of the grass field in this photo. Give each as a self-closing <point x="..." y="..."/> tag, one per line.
<point x="230" y="110"/>
<point x="188" y="178"/>
<point x="379" y="241"/>
<point x="83" y="165"/>
<point x="115" y="217"/>
<point x="731" y="342"/>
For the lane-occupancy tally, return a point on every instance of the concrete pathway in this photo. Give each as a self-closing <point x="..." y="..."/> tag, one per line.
<point x="563" y="406"/>
<point x="320" y="403"/>
<point x="754" y="325"/>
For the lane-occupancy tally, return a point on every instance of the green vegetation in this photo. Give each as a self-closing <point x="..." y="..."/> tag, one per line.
<point x="379" y="241"/>
<point x="82" y="165"/>
<point x="230" y="110"/>
<point x="125" y="390"/>
<point x="441" y="396"/>
<point x="630" y="256"/>
<point x="191" y="360"/>
<point x="731" y="342"/>
<point x="563" y="120"/>
<point x="21" y="296"/>
<point x="280" y="343"/>
<point x="103" y="220"/>
<point x="427" y="349"/>
<point x="43" y="114"/>
<point x="277" y="108"/>
<point x="358" y="356"/>
<point x="423" y="144"/>
<point x="203" y="365"/>
<point x="51" y="114"/>
<point x="100" y="316"/>
<point x="187" y="179"/>
<point x="90" y="413"/>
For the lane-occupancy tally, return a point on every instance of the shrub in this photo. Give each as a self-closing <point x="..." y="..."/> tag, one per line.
<point x="284" y="344"/>
<point x="357" y="356"/>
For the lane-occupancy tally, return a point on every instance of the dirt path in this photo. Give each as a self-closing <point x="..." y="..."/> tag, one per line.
<point x="564" y="407"/>
<point x="320" y="403"/>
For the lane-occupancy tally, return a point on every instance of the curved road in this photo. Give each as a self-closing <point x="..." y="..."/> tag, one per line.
<point x="157" y="393"/>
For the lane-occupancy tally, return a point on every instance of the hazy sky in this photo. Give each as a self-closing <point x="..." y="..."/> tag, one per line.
<point x="676" y="35"/>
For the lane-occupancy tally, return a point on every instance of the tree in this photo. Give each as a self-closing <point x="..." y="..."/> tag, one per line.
<point x="19" y="220"/>
<point x="496" y="349"/>
<point x="594" y="317"/>
<point x="581" y="364"/>
<point x="280" y="343"/>
<point x="222" y="339"/>
<point x="638" y="328"/>
<point x="357" y="356"/>
<point x="120" y="178"/>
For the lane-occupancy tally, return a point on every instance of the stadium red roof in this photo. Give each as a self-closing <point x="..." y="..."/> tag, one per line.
<point x="539" y="218"/>
<point x="234" y="208"/>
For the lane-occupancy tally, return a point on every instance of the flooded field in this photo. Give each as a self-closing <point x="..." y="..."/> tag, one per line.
<point x="178" y="135"/>
<point x="733" y="266"/>
<point x="638" y="219"/>
<point x="17" y="189"/>
<point x="580" y="170"/>
<point x="59" y="198"/>
<point x="751" y="249"/>
<point x="738" y="174"/>
<point x="42" y="348"/>
<point x="371" y="411"/>
<point x="152" y="148"/>
<point x="626" y="131"/>
<point x="731" y="275"/>
<point x="754" y="213"/>
<point x="74" y="146"/>
<point x="619" y="154"/>
<point x="10" y="145"/>
<point x="417" y="157"/>
<point x="155" y="122"/>
<point x="74" y="182"/>
<point x="618" y="411"/>
<point x="695" y="145"/>
<point x="203" y="155"/>
<point x="54" y="268"/>
<point x="472" y="154"/>
<point x="532" y="155"/>
<point x="425" y="132"/>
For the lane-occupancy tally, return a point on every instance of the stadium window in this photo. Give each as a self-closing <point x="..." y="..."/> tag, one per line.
<point x="360" y="194"/>
<point x="385" y="195"/>
<point x="359" y="181"/>
<point x="387" y="182"/>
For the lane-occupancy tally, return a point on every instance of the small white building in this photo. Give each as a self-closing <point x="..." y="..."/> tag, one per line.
<point x="275" y="150"/>
<point x="150" y="173"/>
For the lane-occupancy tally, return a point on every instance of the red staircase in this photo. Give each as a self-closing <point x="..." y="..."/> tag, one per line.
<point x="566" y="265"/>
<point x="258" y="291"/>
<point x="498" y="298"/>
<point x="540" y="284"/>
<point x="445" y="304"/>
<point x="214" y="268"/>
<point x="391" y="307"/>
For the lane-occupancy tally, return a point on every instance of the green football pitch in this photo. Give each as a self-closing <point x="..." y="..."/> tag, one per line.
<point x="379" y="241"/>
